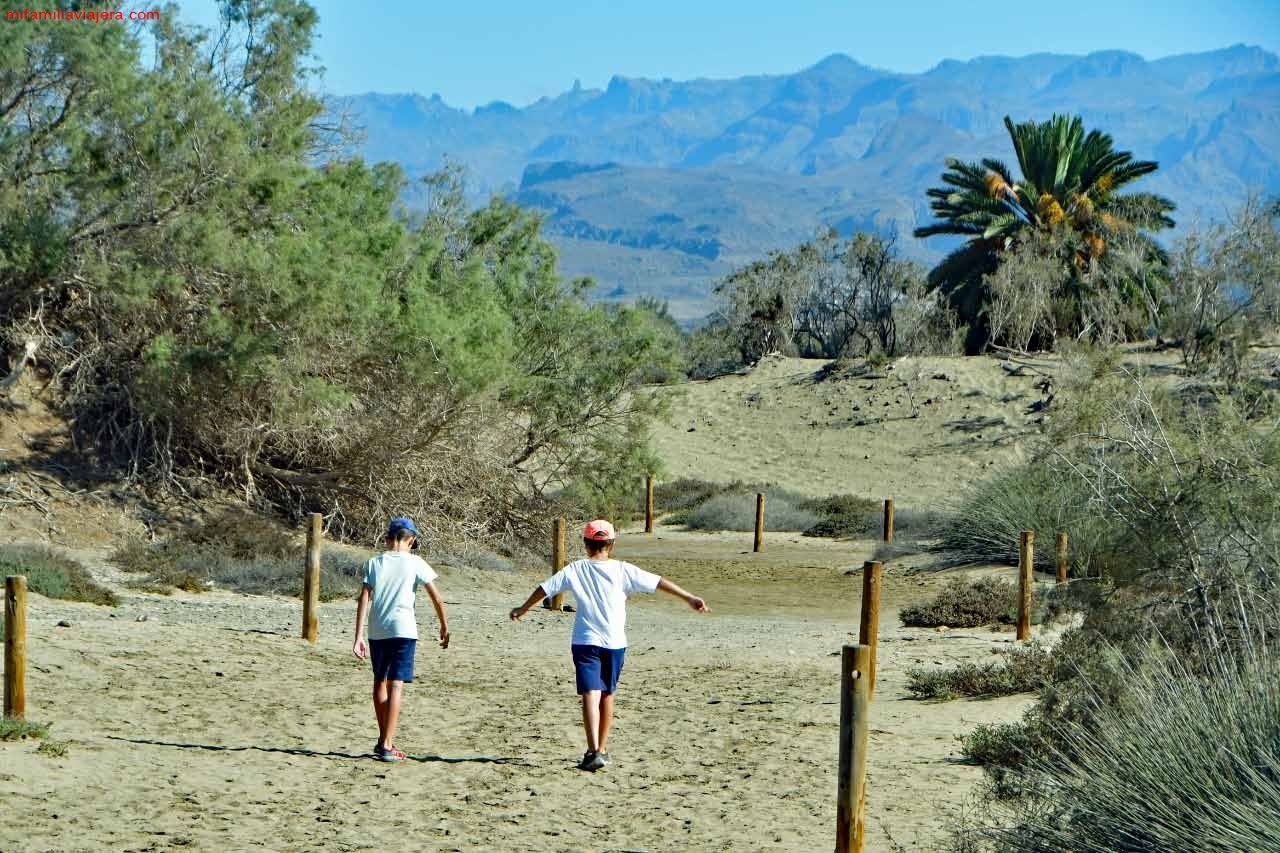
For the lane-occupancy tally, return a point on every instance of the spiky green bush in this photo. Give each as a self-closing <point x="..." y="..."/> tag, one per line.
<point x="1188" y="761"/>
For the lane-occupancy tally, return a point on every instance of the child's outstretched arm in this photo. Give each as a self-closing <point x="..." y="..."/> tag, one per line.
<point x="689" y="598"/>
<point x="438" y="603"/>
<point x="534" y="597"/>
<point x="360" y="648"/>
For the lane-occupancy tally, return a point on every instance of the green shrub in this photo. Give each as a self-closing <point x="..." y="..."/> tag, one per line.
<point x="738" y="512"/>
<point x="52" y="574"/>
<point x="1189" y="761"/>
<point x="965" y="604"/>
<point x="1021" y="671"/>
<point x="843" y="516"/>
<point x="11" y="729"/>
<point x="997" y="744"/>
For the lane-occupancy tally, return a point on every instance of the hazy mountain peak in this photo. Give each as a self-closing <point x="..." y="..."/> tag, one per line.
<point x="660" y="186"/>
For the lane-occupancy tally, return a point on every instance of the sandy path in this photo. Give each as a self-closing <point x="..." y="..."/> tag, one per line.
<point x="208" y="726"/>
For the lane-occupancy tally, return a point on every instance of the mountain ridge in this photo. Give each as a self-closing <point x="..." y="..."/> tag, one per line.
<point x="660" y="186"/>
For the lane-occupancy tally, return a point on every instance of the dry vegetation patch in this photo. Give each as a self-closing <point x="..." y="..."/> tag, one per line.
<point x="53" y="575"/>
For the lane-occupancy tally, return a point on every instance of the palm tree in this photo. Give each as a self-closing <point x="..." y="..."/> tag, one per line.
<point x="1070" y="181"/>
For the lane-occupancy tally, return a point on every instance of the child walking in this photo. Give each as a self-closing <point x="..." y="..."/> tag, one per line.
<point x="390" y="580"/>
<point x="600" y="584"/>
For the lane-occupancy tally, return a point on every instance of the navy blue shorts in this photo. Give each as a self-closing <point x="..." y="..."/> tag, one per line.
<point x="393" y="658"/>
<point x="596" y="668"/>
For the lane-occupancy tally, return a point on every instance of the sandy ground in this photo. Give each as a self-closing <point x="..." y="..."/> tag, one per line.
<point x="201" y="722"/>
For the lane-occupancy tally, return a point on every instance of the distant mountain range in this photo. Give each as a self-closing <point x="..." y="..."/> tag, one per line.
<point x="661" y="187"/>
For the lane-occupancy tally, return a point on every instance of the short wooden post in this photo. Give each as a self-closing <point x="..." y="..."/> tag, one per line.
<point x="869" y="624"/>
<point x="888" y="519"/>
<point x="648" y="503"/>
<point x="557" y="558"/>
<point x="759" y="541"/>
<point x="1061" y="548"/>
<point x="1026" y="560"/>
<point x="311" y="581"/>
<point x="15" y="647"/>
<point x="855" y="705"/>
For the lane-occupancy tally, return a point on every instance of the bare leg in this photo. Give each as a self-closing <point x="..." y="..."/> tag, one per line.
<point x="395" y="693"/>
<point x="606" y="720"/>
<point x="380" y="709"/>
<point x="591" y="719"/>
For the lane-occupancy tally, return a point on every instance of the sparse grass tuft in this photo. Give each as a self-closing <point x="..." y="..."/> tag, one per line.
<point x="1021" y="671"/>
<point x="52" y="574"/>
<point x="11" y="729"/>
<point x="54" y="748"/>
<point x="965" y="604"/>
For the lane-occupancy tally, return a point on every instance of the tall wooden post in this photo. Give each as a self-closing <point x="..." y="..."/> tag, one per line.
<point x="311" y="581"/>
<point x="557" y="558"/>
<point x="648" y="503"/>
<point x="1061" y="548"/>
<point x="1026" y="562"/>
<point x="869" y="624"/>
<point x="759" y="541"/>
<point x="15" y="647"/>
<point x="888" y="519"/>
<point x="855" y="704"/>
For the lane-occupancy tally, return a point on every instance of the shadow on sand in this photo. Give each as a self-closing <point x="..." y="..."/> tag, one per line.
<point x="313" y="753"/>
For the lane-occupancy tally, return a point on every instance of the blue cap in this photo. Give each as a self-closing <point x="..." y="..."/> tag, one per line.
<point x="400" y="525"/>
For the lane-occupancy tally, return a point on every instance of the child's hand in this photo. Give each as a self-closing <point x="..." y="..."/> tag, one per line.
<point x="515" y="614"/>
<point x="444" y="637"/>
<point x="360" y="649"/>
<point x="698" y="604"/>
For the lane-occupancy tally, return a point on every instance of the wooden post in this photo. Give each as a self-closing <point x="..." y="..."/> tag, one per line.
<point x="557" y="558"/>
<point x="648" y="503"/>
<point x="1026" y="561"/>
<point x="869" y="625"/>
<point x="759" y="541"/>
<point x="15" y="647"/>
<point x="888" y="519"/>
<point x="855" y="703"/>
<point x="311" y="581"/>
<point x="1061" y="547"/>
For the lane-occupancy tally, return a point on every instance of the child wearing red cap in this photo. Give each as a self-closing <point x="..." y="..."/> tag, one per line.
<point x="387" y="595"/>
<point x="600" y="585"/>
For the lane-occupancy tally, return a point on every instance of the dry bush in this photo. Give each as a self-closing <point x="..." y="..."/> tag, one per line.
<point x="965" y="604"/>
<point x="1225" y="290"/>
<point x="1023" y="670"/>
<point x="737" y="511"/>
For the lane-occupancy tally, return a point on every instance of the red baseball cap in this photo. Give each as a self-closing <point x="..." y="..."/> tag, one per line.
<point x="599" y="531"/>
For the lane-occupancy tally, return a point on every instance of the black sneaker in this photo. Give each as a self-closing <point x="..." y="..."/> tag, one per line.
<point x="604" y="756"/>
<point x="591" y="761"/>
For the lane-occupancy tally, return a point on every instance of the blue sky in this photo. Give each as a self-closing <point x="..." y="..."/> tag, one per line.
<point x="517" y="50"/>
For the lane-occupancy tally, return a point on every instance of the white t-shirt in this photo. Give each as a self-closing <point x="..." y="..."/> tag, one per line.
<point x="601" y="588"/>
<point x="392" y="577"/>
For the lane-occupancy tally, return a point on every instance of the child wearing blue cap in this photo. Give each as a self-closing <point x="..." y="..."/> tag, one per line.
<point x="390" y="580"/>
